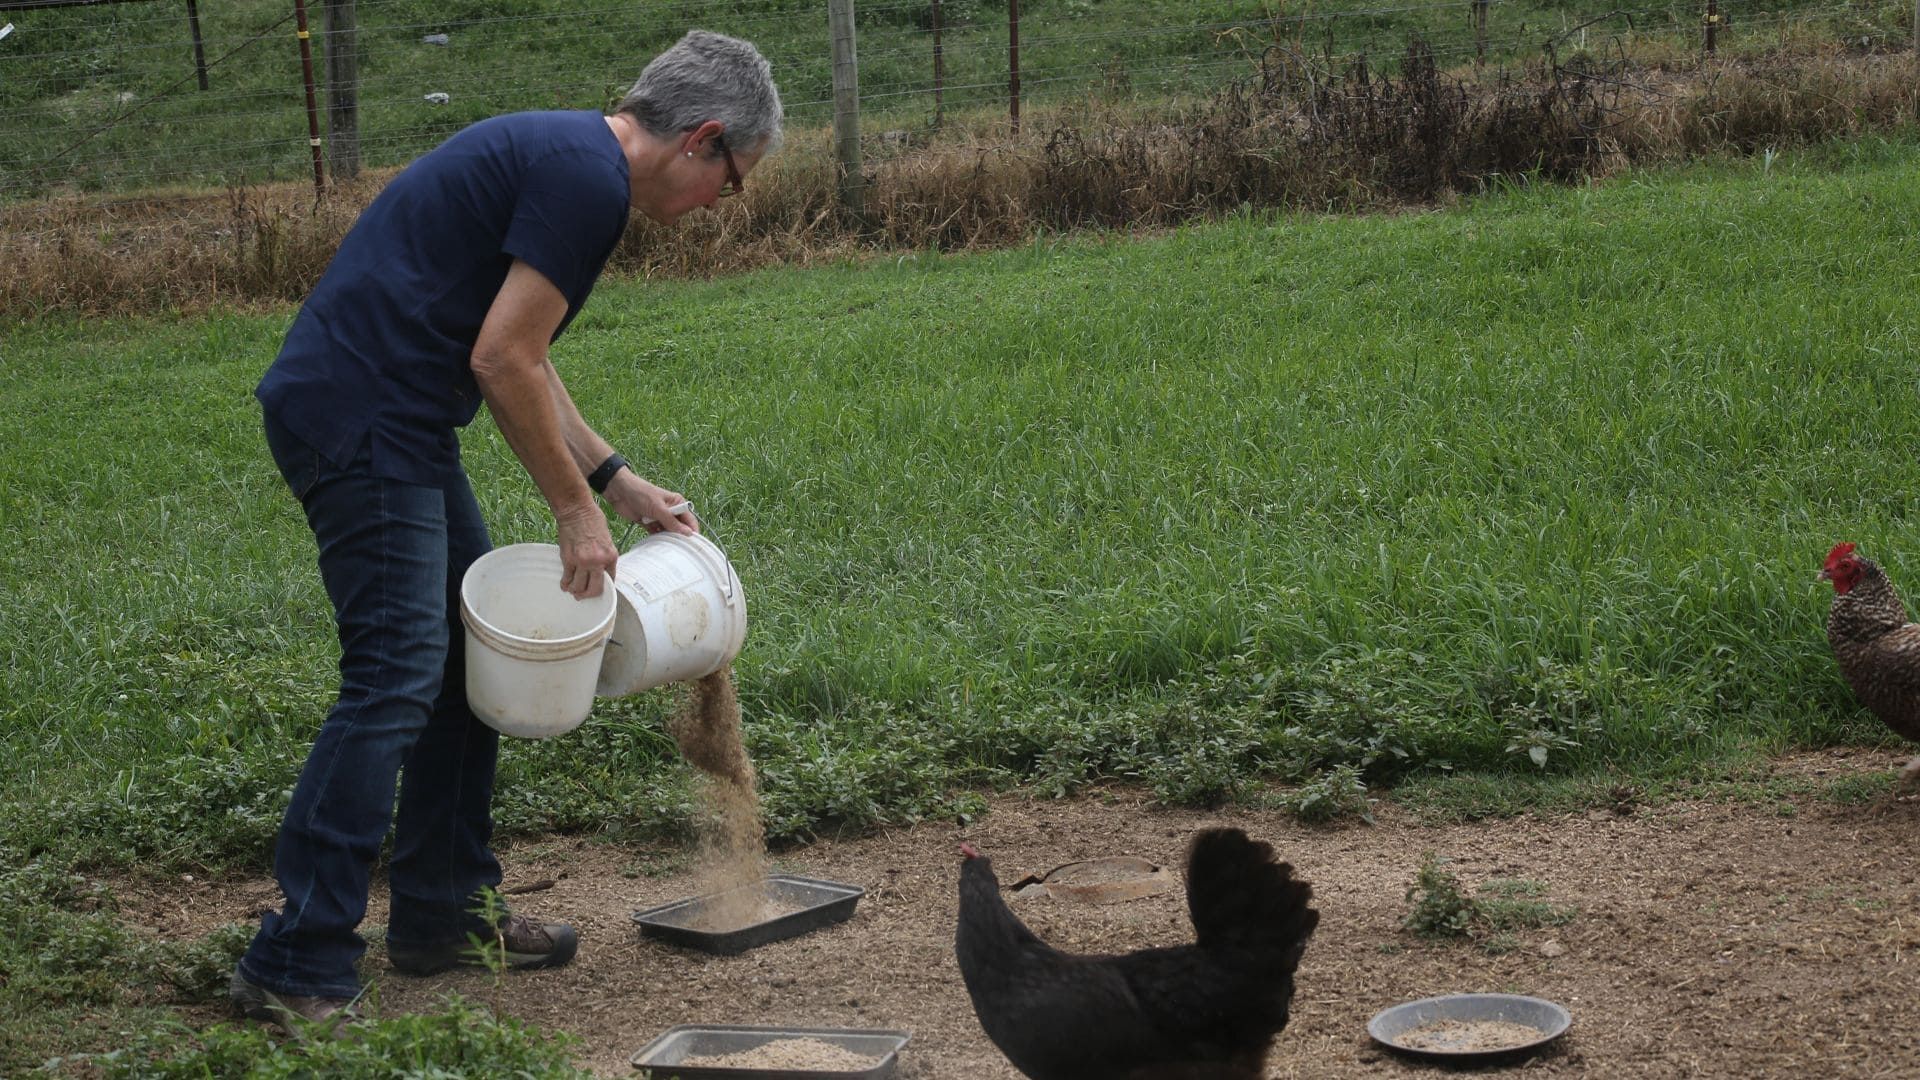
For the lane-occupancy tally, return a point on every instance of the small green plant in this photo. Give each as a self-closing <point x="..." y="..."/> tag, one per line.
<point x="491" y="945"/>
<point x="1335" y="793"/>
<point x="1491" y="915"/>
<point x="490" y="908"/>
<point x="1555" y="707"/>
<point x="1440" y="908"/>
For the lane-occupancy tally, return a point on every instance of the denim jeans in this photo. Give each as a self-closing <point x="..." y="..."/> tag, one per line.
<point x="392" y="555"/>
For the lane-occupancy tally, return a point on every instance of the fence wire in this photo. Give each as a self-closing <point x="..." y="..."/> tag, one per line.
<point x="108" y="97"/>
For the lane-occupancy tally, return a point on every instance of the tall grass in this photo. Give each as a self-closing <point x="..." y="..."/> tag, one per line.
<point x="1294" y="133"/>
<point x="1548" y="472"/>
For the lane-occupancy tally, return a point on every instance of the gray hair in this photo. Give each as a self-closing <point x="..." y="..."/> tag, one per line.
<point x="709" y="76"/>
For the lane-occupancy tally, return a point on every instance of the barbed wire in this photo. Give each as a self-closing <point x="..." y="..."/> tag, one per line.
<point x="370" y="30"/>
<point x="253" y="128"/>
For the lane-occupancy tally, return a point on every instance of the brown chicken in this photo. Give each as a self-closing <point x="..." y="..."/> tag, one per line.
<point x="1877" y="647"/>
<point x="1205" y="1011"/>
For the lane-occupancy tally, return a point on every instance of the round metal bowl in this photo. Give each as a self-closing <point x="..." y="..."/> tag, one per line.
<point x="1390" y="1027"/>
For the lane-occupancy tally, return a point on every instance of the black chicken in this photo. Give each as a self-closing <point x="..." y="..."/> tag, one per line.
<point x="1206" y="1011"/>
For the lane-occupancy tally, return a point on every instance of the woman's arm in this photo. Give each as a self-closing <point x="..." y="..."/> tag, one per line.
<point x="511" y="365"/>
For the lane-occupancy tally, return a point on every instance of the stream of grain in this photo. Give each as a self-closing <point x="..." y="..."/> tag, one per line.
<point x="733" y="844"/>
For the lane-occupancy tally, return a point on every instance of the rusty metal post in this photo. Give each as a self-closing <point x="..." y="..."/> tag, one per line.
<point x="199" y="47"/>
<point x="313" y="111"/>
<point x="1013" y="63"/>
<point x="1713" y="24"/>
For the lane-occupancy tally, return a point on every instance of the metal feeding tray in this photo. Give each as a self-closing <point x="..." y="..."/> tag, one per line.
<point x="1470" y="1028"/>
<point x="663" y="1056"/>
<point x="806" y="904"/>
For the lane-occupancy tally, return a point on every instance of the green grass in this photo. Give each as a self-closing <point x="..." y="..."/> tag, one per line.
<point x="104" y="97"/>
<point x="1247" y="502"/>
<point x="1254" y="510"/>
<point x="461" y="1039"/>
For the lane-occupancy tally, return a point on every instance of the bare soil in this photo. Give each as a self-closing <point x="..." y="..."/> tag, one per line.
<point x="1713" y="939"/>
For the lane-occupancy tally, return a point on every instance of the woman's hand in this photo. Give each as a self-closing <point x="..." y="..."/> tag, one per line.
<point x="586" y="554"/>
<point x="651" y="505"/>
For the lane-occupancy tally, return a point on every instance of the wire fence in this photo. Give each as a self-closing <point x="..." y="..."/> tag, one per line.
<point x="122" y="95"/>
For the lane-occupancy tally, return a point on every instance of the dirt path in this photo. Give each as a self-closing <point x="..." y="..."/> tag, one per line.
<point x="1711" y="940"/>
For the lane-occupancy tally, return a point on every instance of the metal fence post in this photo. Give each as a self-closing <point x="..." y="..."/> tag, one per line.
<point x="313" y="113"/>
<point x="199" y="47"/>
<point x="846" y="105"/>
<point x="1713" y="24"/>
<point x="343" y="90"/>
<point x="1013" y="63"/>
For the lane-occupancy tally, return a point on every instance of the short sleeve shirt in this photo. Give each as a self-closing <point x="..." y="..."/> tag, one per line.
<point x="379" y="358"/>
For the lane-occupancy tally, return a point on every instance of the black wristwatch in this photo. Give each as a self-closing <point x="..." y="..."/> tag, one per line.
<point x="599" y="478"/>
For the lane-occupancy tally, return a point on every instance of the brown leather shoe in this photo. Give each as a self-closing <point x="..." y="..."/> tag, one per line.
<point x="287" y="1010"/>
<point x="528" y="944"/>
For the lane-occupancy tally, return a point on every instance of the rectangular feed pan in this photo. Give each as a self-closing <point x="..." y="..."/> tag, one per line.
<point x="808" y="902"/>
<point x="663" y="1056"/>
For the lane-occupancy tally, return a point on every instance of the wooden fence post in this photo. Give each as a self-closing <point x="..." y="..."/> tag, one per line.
<point x="343" y="90"/>
<point x="939" y="67"/>
<point x="1480" y="31"/>
<point x="1013" y="63"/>
<point x="846" y="105"/>
<point x="313" y="112"/>
<point x="1713" y="24"/>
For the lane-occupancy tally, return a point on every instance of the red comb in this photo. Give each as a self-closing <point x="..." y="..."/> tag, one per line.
<point x="1840" y="551"/>
<point x="969" y="850"/>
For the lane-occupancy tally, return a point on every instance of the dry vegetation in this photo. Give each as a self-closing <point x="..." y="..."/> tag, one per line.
<point x="1294" y="134"/>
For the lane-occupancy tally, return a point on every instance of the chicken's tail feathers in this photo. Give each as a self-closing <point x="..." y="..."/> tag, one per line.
<point x="1244" y="902"/>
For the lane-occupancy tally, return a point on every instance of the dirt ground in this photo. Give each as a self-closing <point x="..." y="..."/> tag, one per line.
<point x="1731" y="939"/>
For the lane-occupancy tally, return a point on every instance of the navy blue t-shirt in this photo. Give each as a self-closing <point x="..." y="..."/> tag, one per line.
<point x="380" y="354"/>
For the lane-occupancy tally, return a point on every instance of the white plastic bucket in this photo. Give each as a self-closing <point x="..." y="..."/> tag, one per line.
<point x="533" y="651"/>
<point x="682" y="614"/>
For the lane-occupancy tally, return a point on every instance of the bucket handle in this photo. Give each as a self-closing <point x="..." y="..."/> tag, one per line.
<point x="721" y="571"/>
<point x="681" y="507"/>
<point x="676" y="510"/>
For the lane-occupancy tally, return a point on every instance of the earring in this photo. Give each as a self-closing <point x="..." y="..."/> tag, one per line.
<point x="689" y="153"/>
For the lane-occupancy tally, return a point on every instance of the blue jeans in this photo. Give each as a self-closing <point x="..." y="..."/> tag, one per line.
<point x="392" y="555"/>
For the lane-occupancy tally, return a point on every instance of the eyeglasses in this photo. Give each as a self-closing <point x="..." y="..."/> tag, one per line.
<point x="734" y="185"/>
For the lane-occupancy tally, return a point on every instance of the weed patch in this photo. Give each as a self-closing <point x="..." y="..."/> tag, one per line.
<point x="1441" y="908"/>
<point x="68" y="956"/>
<point x="462" y="1039"/>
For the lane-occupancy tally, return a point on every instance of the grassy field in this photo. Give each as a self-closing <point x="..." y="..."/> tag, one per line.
<point x="1502" y="505"/>
<point x="1544" y="477"/>
<point x="103" y="98"/>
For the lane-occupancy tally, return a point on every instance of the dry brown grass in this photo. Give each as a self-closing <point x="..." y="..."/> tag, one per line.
<point x="1296" y="134"/>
